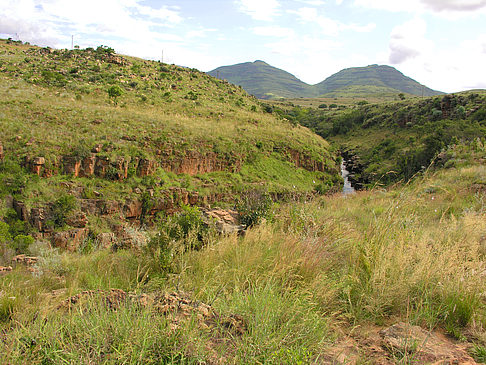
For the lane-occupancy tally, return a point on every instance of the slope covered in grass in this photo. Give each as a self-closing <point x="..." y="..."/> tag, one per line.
<point x="119" y="139"/>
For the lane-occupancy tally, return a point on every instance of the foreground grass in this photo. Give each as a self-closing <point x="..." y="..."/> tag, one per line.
<point x="414" y="254"/>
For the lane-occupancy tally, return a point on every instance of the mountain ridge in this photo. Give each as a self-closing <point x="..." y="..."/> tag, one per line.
<point x="269" y="82"/>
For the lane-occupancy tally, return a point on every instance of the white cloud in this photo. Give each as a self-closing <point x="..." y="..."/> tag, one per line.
<point x="259" y="9"/>
<point x="274" y="31"/>
<point x="408" y="41"/>
<point x="454" y="5"/>
<point x="200" y="33"/>
<point x="52" y="22"/>
<point x="443" y="7"/>
<point x="312" y="2"/>
<point x="447" y="69"/>
<point x="328" y="25"/>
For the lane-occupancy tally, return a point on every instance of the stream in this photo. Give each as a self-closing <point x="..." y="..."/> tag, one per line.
<point x="347" y="188"/>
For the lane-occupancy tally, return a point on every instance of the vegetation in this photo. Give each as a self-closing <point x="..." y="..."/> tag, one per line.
<point x="412" y="254"/>
<point x="393" y="141"/>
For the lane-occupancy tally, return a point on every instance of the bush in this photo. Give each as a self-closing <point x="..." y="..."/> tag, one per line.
<point x="114" y="92"/>
<point x="254" y="206"/>
<point x="21" y="243"/>
<point x="61" y="208"/>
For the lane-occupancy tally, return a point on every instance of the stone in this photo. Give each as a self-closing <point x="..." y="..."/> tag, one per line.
<point x="5" y="269"/>
<point x="101" y="166"/>
<point x="87" y="166"/>
<point x="36" y="165"/>
<point x="132" y="209"/>
<point x="111" y="207"/>
<point x="97" y="148"/>
<point x="225" y="221"/>
<point x="21" y="209"/>
<point x="106" y="239"/>
<point x="70" y="240"/>
<point x="77" y="220"/>
<point x="24" y="260"/>
<point x="37" y="218"/>
<point x="71" y="165"/>
<point x="145" y="167"/>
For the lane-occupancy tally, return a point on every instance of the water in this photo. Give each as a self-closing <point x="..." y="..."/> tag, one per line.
<point x="348" y="188"/>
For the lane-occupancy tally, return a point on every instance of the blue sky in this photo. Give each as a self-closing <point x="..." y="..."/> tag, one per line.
<point x="441" y="43"/>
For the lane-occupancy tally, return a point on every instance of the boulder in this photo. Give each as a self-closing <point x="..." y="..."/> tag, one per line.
<point x="132" y="209"/>
<point x="38" y="218"/>
<point x="5" y="269"/>
<point x="226" y="221"/>
<point x="25" y="260"/>
<point x="36" y="165"/>
<point x="106" y="239"/>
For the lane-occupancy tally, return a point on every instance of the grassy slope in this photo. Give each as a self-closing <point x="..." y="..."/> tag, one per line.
<point x="318" y="274"/>
<point x="56" y="104"/>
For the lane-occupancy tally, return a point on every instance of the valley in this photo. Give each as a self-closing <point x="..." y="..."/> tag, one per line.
<point x="152" y="213"/>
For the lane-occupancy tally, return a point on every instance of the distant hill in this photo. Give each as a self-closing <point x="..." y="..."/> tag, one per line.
<point x="380" y="76"/>
<point x="264" y="81"/>
<point x="268" y="82"/>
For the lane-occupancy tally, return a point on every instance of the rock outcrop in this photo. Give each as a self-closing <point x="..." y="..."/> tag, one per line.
<point x="226" y="221"/>
<point x="177" y="307"/>
<point x="70" y="240"/>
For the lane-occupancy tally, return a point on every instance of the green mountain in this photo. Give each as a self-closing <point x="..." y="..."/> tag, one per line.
<point x="268" y="82"/>
<point x="264" y="81"/>
<point x="376" y="78"/>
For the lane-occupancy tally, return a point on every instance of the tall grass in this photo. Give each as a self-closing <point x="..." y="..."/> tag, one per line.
<point x="413" y="254"/>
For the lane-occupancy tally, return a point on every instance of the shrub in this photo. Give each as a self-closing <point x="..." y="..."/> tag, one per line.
<point x="114" y="92"/>
<point x="323" y="106"/>
<point x="254" y="206"/>
<point x="21" y="243"/>
<point x="61" y="208"/>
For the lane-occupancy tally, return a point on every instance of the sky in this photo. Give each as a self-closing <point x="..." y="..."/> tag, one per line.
<point x="440" y="43"/>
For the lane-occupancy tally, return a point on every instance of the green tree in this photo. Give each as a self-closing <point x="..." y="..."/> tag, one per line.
<point x="114" y="92"/>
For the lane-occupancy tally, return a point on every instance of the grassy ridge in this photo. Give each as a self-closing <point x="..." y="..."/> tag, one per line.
<point x="55" y="104"/>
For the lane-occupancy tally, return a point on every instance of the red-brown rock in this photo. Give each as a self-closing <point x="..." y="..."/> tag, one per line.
<point x="70" y="240"/>
<point x="77" y="220"/>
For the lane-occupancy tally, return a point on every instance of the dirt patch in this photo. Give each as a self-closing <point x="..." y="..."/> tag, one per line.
<point x="400" y="343"/>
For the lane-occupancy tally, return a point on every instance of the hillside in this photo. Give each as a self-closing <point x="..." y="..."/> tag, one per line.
<point x="268" y="82"/>
<point x="264" y="81"/>
<point x="383" y="78"/>
<point x="388" y="142"/>
<point x="93" y="141"/>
